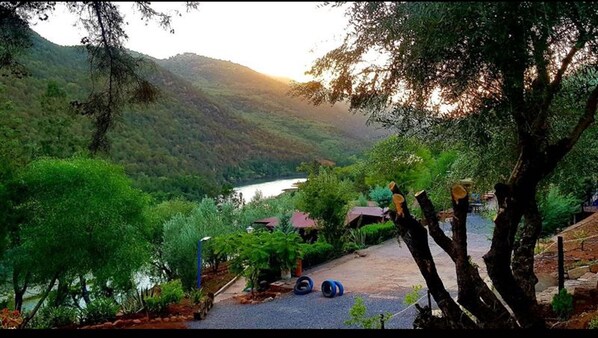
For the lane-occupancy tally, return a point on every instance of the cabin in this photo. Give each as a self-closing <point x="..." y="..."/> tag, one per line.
<point x="306" y="227"/>
<point x="360" y="216"/>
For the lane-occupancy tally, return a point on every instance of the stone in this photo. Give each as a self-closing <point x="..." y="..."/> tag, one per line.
<point x="269" y="299"/>
<point x="136" y="321"/>
<point x="578" y="272"/>
<point x="166" y="319"/>
<point x="119" y="323"/>
<point x="594" y="268"/>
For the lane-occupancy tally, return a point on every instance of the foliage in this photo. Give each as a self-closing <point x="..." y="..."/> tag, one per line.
<point x="170" y="293"/>
<point x="381" y="195"/>
<point x="377" y="233"/>
<point x="358" y="316"/>
<point x="593" y="323"/>
<point x="196" y="295"/>
<point x="133" y="302"/>
<point x="56" y="317"/>
<point x="316" y="253"/>
<point x="80" y="216"/>
<point x="562" y="304"/>
<point x="356" y="240"/>
<point x="556" y="209"/>
<point x="181" y="236"/>
<point x="324" y="197"/>
<point x="362" y="201"/>
<point x="258" y="251"/>
<point x="10" y="319"/>
<point x="413" y="296"/>
<point x="100" y="310"/>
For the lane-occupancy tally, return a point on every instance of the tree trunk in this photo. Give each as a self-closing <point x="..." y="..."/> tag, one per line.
<point x="84" y="291"/>
<point x="40" y="302"/>
<point x="415" y="237"/>
<point x="19" y="292"/>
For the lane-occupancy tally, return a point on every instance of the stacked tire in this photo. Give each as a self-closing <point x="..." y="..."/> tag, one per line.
<point x="303" y="285"/>
<point x="331" y="288"/>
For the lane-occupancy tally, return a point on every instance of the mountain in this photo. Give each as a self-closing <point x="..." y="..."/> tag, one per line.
<point x="215" y="122"/>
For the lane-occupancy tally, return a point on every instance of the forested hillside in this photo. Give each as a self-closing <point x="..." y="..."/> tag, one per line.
<point x="215" y="122"/>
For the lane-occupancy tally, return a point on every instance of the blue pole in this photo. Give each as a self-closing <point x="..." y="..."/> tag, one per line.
<point x="198" y="264"/>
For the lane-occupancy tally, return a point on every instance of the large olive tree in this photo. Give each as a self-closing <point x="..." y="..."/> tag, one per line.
<point x="502" y="64"/>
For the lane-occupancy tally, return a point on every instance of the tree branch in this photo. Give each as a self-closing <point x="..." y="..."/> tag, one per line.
<point x="437" y="234"/>
<point x="558" y="150"/>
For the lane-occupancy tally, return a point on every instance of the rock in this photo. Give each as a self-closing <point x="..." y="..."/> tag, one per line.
<point x="136" y="321"/>
<point x="578" y="272"/>
<point x="158" y="319"/>
<point x="119" y="323"/>
<point x="85" y="327"/>
<point x="269" y="299"/>
<point x="107" y="325"/>
<point x="166" y="319"/>
<point x="594" y="268"/>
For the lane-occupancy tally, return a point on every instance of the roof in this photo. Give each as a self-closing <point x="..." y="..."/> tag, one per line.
<point x="365" y="211"/>
<point x="269" y="222"/>
<point x="299" y="220"/>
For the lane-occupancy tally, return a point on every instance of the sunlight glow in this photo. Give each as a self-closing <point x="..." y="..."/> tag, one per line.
<point x="276" y="38"/>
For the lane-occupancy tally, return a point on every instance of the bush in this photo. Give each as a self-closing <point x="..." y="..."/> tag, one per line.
<point x="381" y="195"/>
<point x="556" y="209"/>
<point x="377" y="233"/>
<point x="170" y="293"/>
<point x="51" y="317"/>
<point x="316" y="253"/>
<point x="593" y="323"/>
<point x="100" y="310"/>
<point x="562" y="304"/>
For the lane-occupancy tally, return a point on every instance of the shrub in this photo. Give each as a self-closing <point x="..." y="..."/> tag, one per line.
<point x="593" y="323"/>
<point x="10" y="319"/>
<point x="170" y="293"/>
<point x="562" y="304"/>
<point x="381" y="195"/>
<point x="101" y="309"/>
<point x="413" y="296"/>
<point x="377" y="233"/>
<point x="56" y="316"/>
<point x="358" y="316"/>
<point x="556" y="209"/>
<point x="316" y="253"/>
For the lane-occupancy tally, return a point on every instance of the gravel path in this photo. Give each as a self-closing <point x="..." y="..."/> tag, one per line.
<point x="387" y="265"/>
<point x="311" y="311"/>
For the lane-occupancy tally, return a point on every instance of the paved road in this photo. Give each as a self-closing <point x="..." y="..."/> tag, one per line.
<point x="381" y="278"/>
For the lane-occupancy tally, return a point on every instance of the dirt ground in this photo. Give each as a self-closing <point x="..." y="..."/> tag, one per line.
<point x="580" y="247"/>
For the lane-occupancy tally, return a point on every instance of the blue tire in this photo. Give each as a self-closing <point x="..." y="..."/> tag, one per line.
<point x="341" y="290"/>
<point x="303" y="286"/>
<point x="328" y="288"/>
<point x="309" y="280"/>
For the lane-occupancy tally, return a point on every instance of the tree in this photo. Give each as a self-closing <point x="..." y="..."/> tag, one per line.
<point x="80" y="216"/>
<point x="116" y="74"/>
<point x="324" y="197"/>
<point x="499" y="68"/>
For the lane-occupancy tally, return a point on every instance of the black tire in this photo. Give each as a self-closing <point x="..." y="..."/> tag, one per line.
<point x="303" y="286"/>
<point x="341" y="290"/>
<point x="328" y="288"/>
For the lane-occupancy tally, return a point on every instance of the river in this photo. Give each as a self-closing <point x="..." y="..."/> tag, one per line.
<point x="268" y="189"/>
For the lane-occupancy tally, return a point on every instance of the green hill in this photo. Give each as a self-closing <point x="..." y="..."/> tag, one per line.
<point x="215" y="122"/>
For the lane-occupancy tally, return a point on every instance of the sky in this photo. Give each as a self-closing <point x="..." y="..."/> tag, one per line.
<point x="276" y="38"/>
